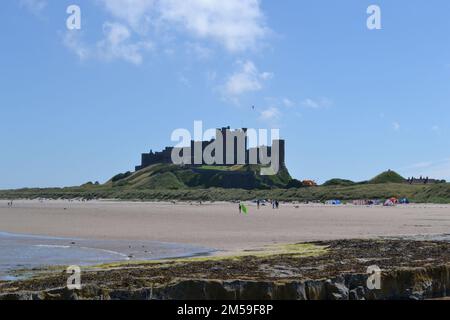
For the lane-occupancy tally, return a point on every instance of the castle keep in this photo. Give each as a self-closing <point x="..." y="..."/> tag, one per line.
<point x="235" y="150"/>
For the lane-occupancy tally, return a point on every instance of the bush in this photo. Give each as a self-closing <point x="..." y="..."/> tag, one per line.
<point x="294" y="183"/>
<point x="121" y="176"/>
<point x="339" y="182"/>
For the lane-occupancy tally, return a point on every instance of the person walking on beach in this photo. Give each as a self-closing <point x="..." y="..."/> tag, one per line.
<point x="257" y="203"/>
<point x="240" y="208"/>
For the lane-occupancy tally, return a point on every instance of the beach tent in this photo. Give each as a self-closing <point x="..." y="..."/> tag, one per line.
<point x="404" y="201"/>
<point x="334" y="202"/>
<point x="394" y="200"/>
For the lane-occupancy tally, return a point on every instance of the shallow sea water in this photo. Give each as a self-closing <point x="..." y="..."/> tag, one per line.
<point x="23" y="252"/>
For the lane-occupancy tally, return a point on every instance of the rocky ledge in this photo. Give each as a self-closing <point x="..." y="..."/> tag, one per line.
<point x="335" y="270"/>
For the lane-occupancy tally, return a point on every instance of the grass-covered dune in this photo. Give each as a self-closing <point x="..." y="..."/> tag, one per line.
<point x="416" y="193"/>
<point x="164" y="182"/>
<point x="172" y="177"/>
<point x="388" y="177"/>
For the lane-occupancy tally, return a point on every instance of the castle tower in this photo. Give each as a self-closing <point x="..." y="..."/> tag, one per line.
<point x="282" y="146"/>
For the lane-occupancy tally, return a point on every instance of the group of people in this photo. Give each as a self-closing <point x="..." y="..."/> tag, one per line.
<point x="10" y="204"/>
<point x="275" y="204"/>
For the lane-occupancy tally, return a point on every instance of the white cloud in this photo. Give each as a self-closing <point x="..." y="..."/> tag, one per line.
<point x="137" y="13"/>
<point x="199" y="51"/>
<point x="72" y="40"/>
<point x="396" y="126"/>
<point x="288" y="103"/>
<point x="317" y="103"/>
<point x="117" y="44"/>
<point x="235" y="24"/>
<point x="34" y="6"/>
<point x="246" y="79"/>
<point x="266" y="75"/>
<point x="271" y="113"/>
<point x="271" y="116"/>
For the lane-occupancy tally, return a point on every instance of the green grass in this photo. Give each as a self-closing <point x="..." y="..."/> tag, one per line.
<point x="164" y="182"/>
<point x="388" y="177"/>
<point x="300" y="250"/>
<point x="223" y="168"/>
<point x="416" y="193"/>
<point x="339" y="182"/>
<point x="169" y="177"/>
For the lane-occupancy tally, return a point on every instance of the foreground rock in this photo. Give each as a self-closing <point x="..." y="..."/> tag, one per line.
<point x="335" y="270"/>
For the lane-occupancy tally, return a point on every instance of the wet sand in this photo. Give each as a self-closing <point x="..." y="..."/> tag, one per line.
<point x="219" y="225"/>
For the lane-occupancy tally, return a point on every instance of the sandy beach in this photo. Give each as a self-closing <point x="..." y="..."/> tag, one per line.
<point x="99" y="234"/>
<point x="219" y="225"/>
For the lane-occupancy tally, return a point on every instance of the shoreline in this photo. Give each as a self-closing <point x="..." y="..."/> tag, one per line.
<point x="330" y="270"/>
<point x="31" y="252"/>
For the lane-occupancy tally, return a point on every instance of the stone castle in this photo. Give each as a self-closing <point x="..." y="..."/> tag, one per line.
<point x="239" y="153"/>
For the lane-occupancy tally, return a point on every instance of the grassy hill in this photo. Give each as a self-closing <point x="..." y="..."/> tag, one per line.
<point x="385" y="177"/>
<point x="339" y="182"/>
<point x="439" y="193"/>
<point x="164" y="182"/>
<point x="388" y="177"/>
<point x="172" y="177"/>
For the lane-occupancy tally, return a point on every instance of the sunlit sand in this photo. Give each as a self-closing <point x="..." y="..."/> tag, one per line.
<point x="219" y="225"/>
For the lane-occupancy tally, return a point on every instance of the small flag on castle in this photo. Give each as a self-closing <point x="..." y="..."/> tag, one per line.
<point x="244" y="208"/>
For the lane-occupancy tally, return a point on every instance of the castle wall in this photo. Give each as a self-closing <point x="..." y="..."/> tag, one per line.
<point x="239" y="156"/>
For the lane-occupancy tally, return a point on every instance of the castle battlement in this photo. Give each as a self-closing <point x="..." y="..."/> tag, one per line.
<point x="234" y="152"/>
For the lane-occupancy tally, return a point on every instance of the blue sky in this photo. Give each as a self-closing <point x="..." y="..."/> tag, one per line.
<point x="351" y="102"/>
